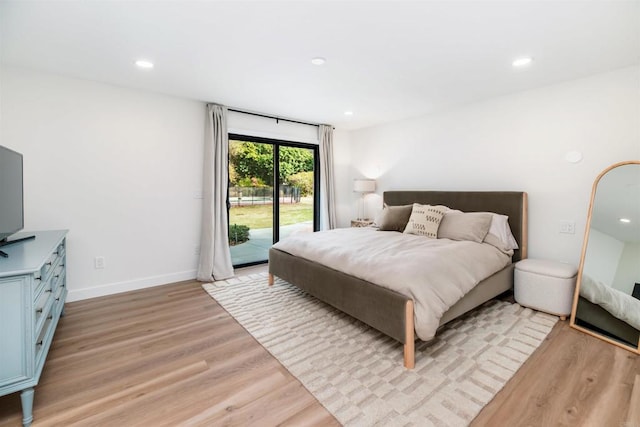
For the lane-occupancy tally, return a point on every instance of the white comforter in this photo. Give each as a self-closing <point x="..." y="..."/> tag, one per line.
<point x="623" y="306"/>
<point x="434" y="273"/>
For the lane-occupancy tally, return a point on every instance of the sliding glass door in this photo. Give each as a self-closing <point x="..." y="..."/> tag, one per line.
<point x="273" y="193"/>
<point x="296" y="194"/>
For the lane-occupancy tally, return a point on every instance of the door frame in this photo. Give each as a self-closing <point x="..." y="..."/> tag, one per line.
<point x="277" y="143"/>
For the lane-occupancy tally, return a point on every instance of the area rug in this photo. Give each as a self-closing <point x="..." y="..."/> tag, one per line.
<point x="356" y="372"/>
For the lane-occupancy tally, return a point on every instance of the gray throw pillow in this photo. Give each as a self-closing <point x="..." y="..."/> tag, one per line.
<point x="464" y="226"/>
<point x="394" y="218"/>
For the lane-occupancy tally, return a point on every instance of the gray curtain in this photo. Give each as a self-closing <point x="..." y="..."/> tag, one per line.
<point x="215" y="257"/>
<point x="327" y="184"/>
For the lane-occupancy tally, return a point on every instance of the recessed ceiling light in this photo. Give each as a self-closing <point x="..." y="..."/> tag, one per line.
<point x="142" y="63"/>
<point x="625" y="220"/>
<point x="318" y="60"/>
<point x="348" y="113"/>
<point x="522" y="62"/>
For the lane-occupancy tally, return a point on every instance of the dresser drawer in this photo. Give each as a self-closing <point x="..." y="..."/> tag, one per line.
<point x="42" y="306"/>
<point x="53" y="261"/>
<point x="38" y="283"/>
<point x="58" y="278"/>
<point x="44" y="339"/>
<point x="48" y="265"/>
<point x="58" y="299"/>
<point x="62" y="248"/>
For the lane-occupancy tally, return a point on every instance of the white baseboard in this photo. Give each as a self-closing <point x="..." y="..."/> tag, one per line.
<point x="131" y="285"/>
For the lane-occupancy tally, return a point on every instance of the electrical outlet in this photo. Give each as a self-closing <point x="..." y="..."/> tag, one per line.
<point x="568" y="227"/>
<point x="99" y="262"/>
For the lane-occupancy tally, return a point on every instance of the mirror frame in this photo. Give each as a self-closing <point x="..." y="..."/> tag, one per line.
<point x="572" y="322"/>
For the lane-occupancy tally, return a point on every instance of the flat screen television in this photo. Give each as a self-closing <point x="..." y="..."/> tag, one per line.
<point x="11" y="193"/>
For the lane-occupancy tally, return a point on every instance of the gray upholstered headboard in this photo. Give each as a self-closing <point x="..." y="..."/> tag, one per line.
<point x="510" y="203"/>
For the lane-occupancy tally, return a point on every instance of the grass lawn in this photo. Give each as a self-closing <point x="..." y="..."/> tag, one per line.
<point x="261" y="216"/>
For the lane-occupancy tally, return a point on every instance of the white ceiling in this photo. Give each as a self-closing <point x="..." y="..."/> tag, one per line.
<point x="386" y="60"/>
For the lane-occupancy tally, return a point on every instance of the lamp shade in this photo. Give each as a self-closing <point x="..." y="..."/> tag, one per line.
<point x="364" y="185"/>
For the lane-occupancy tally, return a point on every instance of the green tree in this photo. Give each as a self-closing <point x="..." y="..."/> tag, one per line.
<point x="254" y="160"/>
<point x="304" y="181"/>
<point x="233" y="176"/>
<point x="251" y="160"/>
<point x="294" y="160"/>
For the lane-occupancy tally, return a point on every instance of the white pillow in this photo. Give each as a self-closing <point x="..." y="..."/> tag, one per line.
<point x="500" y="228"/>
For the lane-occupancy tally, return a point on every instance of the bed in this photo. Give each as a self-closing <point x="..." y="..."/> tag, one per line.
<point x="609" y="311"/>
<point x="392" y="312"/>
<point x="593" y="316"/>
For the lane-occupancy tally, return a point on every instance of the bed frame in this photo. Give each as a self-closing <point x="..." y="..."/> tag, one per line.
<point x="606" y="322"/>
<point x="391" y="312"/>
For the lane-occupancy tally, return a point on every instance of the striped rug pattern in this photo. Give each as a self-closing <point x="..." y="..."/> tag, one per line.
<point x="356" y="372"/>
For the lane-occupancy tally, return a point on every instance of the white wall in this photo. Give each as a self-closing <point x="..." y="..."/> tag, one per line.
<point x="602" y="257"/>
<point x="250" y="125"/>
<point x="119" y="168"/>
<point x="515" y="142"/>
<point x="628" y="272"/>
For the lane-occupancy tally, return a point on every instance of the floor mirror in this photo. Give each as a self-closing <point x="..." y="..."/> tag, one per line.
<point x="607" y="298"/>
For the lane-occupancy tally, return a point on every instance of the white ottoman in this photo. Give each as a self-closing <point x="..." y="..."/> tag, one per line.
<point x="545" y="286"/>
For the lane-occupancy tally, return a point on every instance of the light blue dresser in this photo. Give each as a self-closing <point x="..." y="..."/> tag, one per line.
<point x="33" y="289"/>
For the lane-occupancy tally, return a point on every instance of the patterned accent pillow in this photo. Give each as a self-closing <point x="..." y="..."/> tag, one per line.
<point x="425" y="220"/>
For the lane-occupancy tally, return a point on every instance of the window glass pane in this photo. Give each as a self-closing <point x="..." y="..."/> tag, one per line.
<point x="296" y="191"/>
<point x="251" y="201"/>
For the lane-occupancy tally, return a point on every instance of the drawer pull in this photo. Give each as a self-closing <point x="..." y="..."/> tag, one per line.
<point x="49" y="264"/>
<point x="56" y="276"/>
<point x="50" y="317"/>
<point x="48" y="290"/>
<point x="39" y="310"/>
<point x="39" y="342"/>
<point x="57" y="299"/>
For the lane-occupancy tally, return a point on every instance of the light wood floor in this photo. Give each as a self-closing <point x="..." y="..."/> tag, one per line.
<point x="170" y="355"/>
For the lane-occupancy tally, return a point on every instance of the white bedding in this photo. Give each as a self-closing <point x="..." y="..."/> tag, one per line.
<point x="434" y="273"/>
<point x="623" y="306"/>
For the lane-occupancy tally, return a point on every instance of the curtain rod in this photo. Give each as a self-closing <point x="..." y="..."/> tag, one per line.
<point x="277" y="119"/>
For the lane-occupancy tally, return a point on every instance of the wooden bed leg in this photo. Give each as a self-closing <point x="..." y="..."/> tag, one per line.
<point x="409" y="345"/>
<point x="271" y="278"/>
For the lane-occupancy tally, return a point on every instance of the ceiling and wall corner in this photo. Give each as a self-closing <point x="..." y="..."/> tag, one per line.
<point x="385" y="60"/>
